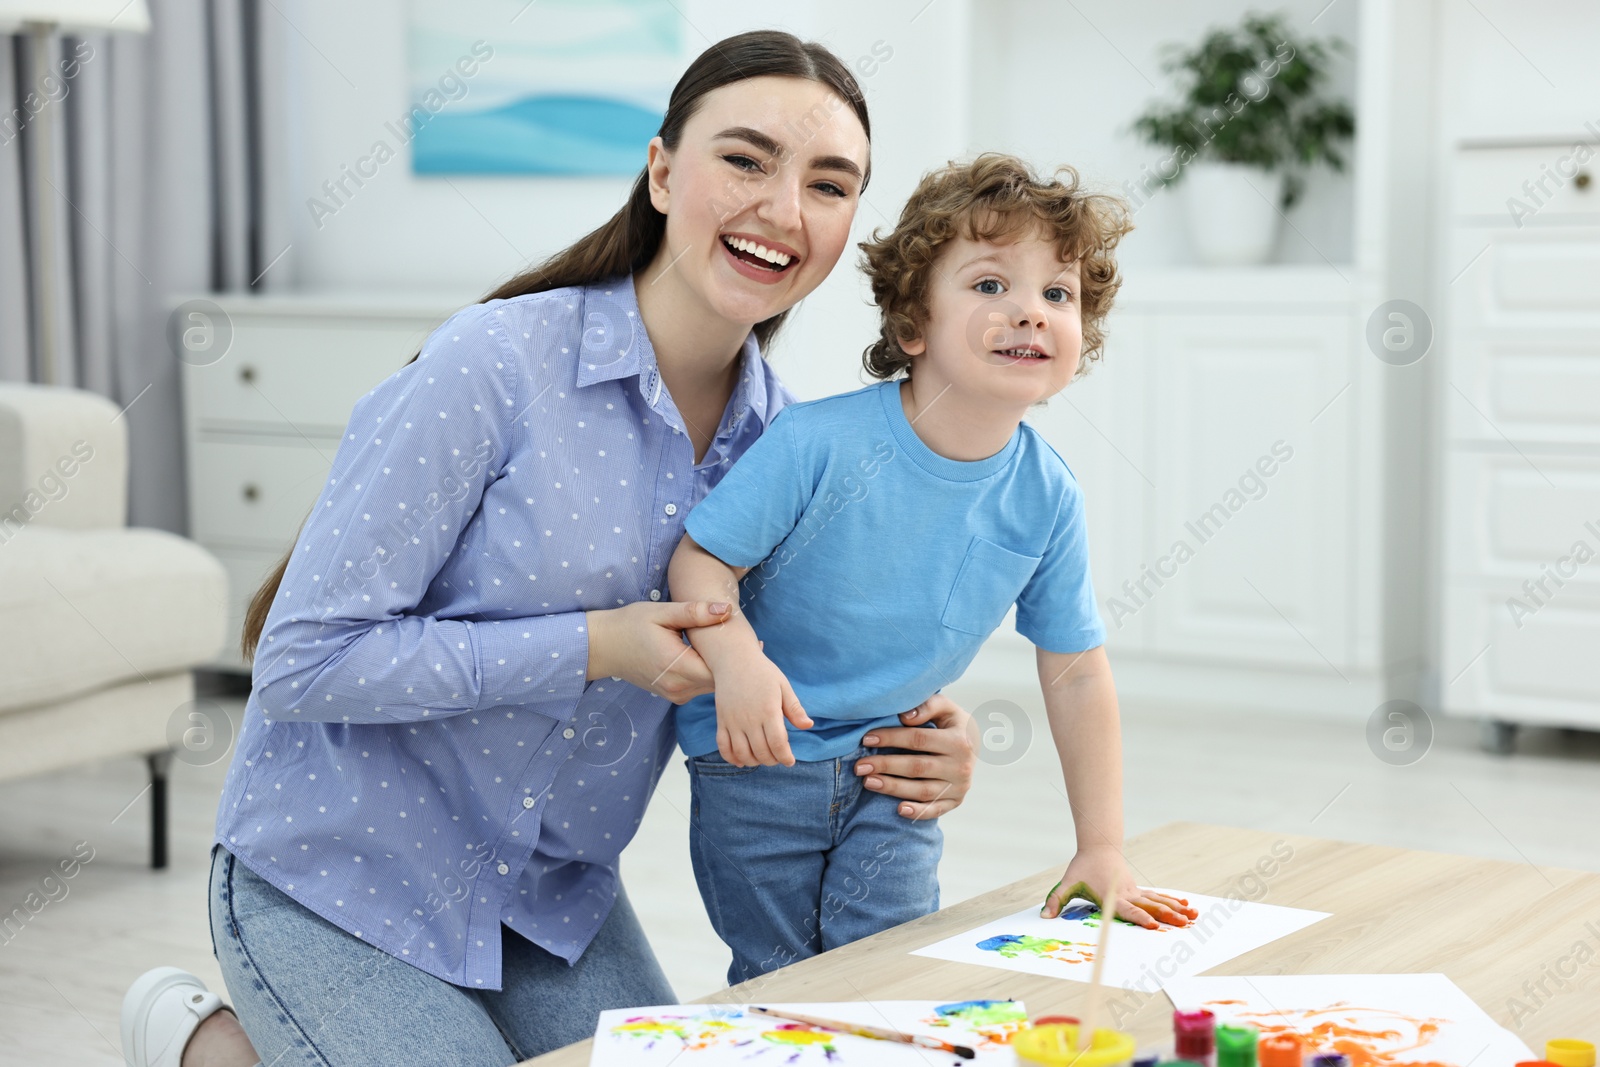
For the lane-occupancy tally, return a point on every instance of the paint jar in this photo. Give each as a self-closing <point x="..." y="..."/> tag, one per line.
<point x="1056" y="1045"/>
<point x="1281" y="1050"/>
<point x="1236" y="1046"/>
<point x="1195" y="1036"/>
<point x="1569" y="1052"/>
<point x="1330" y="1059"/>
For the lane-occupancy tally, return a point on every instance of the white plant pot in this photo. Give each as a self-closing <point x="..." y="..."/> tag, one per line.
<point x="1232" y="212"/>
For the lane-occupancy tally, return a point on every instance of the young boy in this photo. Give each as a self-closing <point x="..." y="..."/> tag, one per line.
<point x="876" y="539"/>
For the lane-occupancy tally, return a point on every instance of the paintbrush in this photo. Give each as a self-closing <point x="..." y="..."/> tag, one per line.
<point x="862" y="1030"/>
<point x="1091" y="1011"/>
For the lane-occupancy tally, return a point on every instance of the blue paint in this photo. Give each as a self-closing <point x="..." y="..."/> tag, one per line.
<point x="969" y="1005"/>
<point x="993" y="944"/>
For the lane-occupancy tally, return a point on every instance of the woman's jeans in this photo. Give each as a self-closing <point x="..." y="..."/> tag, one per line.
<point x="793" y="861"/>
<point x="307" y="992"/>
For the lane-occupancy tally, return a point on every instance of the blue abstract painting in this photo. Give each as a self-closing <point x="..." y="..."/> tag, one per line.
<point x="552" y="87"/>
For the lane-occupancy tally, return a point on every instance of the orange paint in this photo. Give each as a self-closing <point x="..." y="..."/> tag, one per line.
<point x="1282" y="1049"/>
<point x="1334" y="1029"/>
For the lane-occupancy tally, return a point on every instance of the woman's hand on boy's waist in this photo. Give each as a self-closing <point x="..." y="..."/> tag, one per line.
<point x="933" y="778"/>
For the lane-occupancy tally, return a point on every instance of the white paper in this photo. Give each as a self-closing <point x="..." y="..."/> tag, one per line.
<point x="689" y="1035"/>
<point x="1136" y="958"/>
<point x="1378" y="1019"/>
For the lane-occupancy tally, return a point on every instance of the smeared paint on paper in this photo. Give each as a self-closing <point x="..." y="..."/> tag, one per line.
<point x="716" y="1034"/>
<point x="1383" y="1020"/>
<point x="995" y="1020"/>
<point x="1144" y="959"/>
<point x="1013" y="945"/>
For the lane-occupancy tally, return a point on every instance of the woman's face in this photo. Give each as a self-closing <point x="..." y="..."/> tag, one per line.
<point x="771" y="163"/>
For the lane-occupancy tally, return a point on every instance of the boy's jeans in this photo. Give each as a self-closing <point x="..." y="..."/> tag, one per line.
<point x="792" y="861"/>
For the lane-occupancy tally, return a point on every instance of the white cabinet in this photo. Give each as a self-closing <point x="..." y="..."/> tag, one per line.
<point x="263" y="422"/>
<point x="1247" y="483"/>
<point x="1520" y="396"/>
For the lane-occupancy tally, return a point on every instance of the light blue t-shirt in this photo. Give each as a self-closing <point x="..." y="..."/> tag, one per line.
<point x="878" y="566"/>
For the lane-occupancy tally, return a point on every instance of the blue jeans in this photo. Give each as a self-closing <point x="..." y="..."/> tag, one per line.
<point x="307" y="992"/>
<point x="793" y="861"/>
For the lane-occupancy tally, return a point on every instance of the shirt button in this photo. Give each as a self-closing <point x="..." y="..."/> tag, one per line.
<point x="671" y="509"/>
<point x="569" y="733"/>
<point x="503" y="869"/>
<point x="527" y="802"/>
<point x="655" y="594"/>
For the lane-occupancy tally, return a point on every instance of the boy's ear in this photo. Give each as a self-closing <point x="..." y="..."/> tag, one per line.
<point x="914" y="347"/>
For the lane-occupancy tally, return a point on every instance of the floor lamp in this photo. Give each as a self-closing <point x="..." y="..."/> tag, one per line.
<point x="40" y="20"/>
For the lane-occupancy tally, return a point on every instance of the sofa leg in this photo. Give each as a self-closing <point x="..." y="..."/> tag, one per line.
<point x="160" y="763"/>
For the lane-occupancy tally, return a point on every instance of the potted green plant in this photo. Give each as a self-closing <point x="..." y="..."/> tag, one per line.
<point x="1253" y="115"/>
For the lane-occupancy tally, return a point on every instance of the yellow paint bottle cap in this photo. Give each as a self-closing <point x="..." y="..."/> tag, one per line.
<point x="1056" y="1045"/>
<point x="1569" y="1052"/>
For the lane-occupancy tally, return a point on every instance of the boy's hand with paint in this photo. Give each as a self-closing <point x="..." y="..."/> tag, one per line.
<point x="1080" y="699"/>
<point x="753" y="697"/>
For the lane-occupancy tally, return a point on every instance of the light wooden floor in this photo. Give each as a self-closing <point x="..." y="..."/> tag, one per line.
<point x="62" y="977"/>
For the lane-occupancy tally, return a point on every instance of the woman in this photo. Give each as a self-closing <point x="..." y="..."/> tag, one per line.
<point x="463" y="687"/>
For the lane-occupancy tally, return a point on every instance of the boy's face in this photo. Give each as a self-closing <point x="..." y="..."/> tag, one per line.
<point x="1004" y="323"/>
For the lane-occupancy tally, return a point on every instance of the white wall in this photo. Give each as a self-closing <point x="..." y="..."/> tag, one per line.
<point x="464" y="234"/>
<point x="1061" y="83"/>
<point x="1034" y="77"/>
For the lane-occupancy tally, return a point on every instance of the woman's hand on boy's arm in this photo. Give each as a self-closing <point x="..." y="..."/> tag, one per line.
<point x="695" y="574"/>
<point x="1090" y="876"/>
<point x="752" y="695"/>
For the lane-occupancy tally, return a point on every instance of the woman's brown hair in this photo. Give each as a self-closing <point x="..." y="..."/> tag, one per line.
<point x="995" y="197"/>
<point x="630" y="239"/>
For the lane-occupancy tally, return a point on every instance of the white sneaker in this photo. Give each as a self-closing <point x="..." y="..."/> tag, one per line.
<point x="161" y="1011"/>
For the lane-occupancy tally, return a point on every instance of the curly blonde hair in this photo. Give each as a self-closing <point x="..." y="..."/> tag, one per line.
<point x="996" y="197"/>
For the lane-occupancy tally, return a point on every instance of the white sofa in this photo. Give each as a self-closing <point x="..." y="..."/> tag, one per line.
<point x="100" y="624"/>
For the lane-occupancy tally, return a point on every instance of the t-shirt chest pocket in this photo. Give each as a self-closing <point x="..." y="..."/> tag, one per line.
<point x="989" y="581"/>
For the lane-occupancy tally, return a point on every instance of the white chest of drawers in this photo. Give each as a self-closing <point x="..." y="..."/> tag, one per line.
<point x="262" y="423"/>
<point x="1520" y="405"/>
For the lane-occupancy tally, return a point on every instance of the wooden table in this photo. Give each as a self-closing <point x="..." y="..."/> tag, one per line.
<point x="1490" y="926"/>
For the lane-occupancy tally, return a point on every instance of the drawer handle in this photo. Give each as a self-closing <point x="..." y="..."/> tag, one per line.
<point x="247" y="374"/>
<point x="1582" y="179"/>
<point x="252" y="492"/>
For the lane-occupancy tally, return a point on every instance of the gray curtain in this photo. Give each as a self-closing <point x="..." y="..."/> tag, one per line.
<point x="168" y="182"/>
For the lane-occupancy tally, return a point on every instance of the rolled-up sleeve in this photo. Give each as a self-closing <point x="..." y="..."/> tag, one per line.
<point x="344" y="640"/>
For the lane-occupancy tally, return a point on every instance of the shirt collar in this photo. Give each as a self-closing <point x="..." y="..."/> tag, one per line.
<point x="750" y="391"/>
<point x="613" y="345"/>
